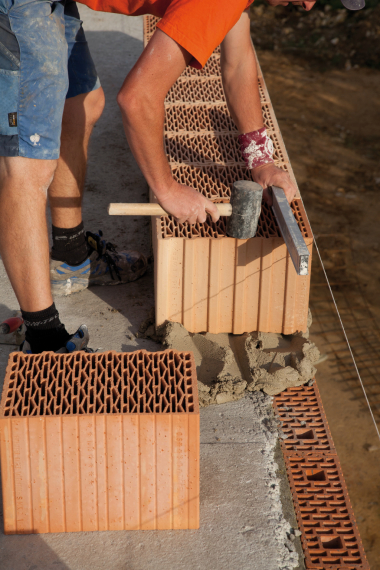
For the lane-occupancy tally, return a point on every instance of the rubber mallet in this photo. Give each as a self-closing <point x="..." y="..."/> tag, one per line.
<point x="243" y="210"/>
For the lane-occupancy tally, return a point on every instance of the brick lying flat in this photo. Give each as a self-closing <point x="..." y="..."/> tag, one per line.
<point x="204" y="279"/>
<point x="304" y="421"/>
<point x="103" y="441"/>
<point x="330" y="536"/>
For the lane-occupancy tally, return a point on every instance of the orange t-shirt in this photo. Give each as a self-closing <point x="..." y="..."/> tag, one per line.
<point x="197" y="25"/>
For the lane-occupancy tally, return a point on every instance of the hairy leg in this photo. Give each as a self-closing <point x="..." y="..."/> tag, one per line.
<point x="66" y="190"/>
<point x="24" y="244"/>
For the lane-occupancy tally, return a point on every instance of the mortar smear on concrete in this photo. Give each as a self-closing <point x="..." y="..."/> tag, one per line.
<point x="287" y="537"/>
<point x="230" y="365"/>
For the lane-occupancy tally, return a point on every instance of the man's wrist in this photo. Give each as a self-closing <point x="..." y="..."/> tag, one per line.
<point x="258" y="171"/>
<point x="163" y="187"/>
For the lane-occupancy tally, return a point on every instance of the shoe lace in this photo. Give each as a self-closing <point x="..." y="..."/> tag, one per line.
<point x="103" y="248"/>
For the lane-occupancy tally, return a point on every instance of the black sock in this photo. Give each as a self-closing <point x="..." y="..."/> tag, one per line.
<point x="69" y="245"/>
<point x="44" y="330"/>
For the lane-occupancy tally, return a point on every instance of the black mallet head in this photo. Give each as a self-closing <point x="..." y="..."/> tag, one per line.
<point x="246" y="198"/>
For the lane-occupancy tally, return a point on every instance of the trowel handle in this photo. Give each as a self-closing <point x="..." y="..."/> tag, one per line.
<point x="11" y="325"/>
<point x="153" y="210"/>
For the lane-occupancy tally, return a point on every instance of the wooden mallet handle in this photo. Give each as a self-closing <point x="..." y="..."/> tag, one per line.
<point x="153" y="210"/>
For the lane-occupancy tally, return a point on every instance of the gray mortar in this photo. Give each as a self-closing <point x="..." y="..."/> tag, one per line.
<point x="229" y="365"/>
<point x="287" y="533"/>
<point x="287" y="506"/>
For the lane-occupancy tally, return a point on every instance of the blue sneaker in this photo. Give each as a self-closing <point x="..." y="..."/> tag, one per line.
<point x="104" y="266"/>
<point x="77" y="341"/>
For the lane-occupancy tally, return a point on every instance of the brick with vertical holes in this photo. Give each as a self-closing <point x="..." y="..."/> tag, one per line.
<point x="204" y="279"/>
<point x="102" y="441"/>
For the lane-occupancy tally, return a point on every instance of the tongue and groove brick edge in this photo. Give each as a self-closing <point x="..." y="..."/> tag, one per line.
<point x="105" y="441"/>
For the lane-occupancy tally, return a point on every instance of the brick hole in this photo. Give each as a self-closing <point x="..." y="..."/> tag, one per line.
<point x="347" y="533"/>
<point x="331" y="560"/>
<point x="304" y="433"/>
<point x="315" y="475"/>
<point x="330" y="542"/>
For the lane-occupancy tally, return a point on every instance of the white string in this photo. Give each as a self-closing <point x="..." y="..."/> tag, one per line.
<point x="343" y="329"/>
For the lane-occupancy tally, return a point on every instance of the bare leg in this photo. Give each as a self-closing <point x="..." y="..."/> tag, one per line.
<point x="24" y="182"/>
<point x="66" y="190"/>
<point x="24" y="244"/>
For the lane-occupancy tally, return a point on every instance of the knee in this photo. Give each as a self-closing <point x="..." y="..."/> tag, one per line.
<point x="18" y="172"/>
<point x="44" y="173"/>
<point x="94" y="105"/>
<point x="82" y="112"/>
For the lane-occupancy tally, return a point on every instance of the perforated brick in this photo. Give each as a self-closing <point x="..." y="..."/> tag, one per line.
<point x="100" y="441"/>
<point x="198" y="118"/>
<point x="214" y="182"/>
<point x="212" y="118"/>
<point x="150" y="23"/>
<point x="210" y="148"/>
<point x="264" y="95"/>
<point x="330" y="536"/>
<point x="206" y="89"/>
<point x="303" y="420"/>
<point x="105" y="382"/>
<point x="203" y="152"/>
<point x="266" y="228"/>
<point x="269" y="118"/>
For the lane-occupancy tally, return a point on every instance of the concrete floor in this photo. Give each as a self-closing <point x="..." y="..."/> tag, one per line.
<point x="243" y="525"/>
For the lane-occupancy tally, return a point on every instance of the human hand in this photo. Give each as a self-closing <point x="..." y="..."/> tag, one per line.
<point x="270" y="175"/>
<point x="186" y="204"/>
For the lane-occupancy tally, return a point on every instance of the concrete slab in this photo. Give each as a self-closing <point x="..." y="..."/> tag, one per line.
<point x="243" y="524"/>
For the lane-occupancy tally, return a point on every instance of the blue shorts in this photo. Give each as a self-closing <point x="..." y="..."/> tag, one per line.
<point x="44" y="59"/>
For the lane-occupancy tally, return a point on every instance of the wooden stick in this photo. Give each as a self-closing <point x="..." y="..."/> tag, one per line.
<point x="153" y="210"/>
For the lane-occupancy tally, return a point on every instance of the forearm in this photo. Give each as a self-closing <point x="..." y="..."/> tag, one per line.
<point x="141" y="101"/>
<point x="242" y="93"/>
<point x="143" y="121"/>
<point x="239" y="72"/>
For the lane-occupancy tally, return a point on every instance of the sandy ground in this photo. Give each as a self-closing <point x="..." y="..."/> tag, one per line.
<point x="330" y="122"/>
<point x="242" y="516"/>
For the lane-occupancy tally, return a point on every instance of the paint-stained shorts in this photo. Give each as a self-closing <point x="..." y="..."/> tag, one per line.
<point x="44" y="59"/>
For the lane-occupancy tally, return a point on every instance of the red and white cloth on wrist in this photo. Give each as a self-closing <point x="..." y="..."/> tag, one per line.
<point x="256" y="148"/>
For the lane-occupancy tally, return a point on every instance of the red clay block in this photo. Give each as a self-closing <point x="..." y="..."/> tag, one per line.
<point x="206" y="280"/>
<point x="103" y="441"/>
<point x="329" y="532"/>
<point x="215" y="283"/>
<point x="304" y="421"/>
<point x="330" y="536"/>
